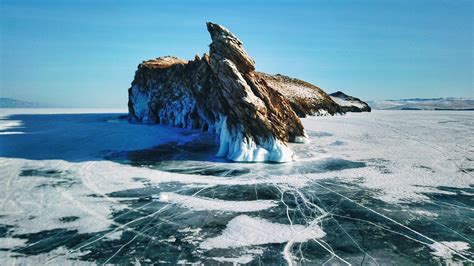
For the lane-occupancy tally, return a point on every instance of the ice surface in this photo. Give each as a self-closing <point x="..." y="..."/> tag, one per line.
<point x="425" y="104"/>
<point x="409" y="153"/>
<point x="372" y="188"/>
<point x="76" y="134"/>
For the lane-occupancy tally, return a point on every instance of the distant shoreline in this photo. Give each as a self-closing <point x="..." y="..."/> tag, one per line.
<point x="123" y="110"/>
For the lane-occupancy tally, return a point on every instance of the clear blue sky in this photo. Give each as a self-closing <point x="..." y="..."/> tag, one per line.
<point x="84" y="53"/>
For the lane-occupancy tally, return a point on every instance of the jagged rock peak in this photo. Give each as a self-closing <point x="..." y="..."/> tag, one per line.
<point x="227" y="45"/>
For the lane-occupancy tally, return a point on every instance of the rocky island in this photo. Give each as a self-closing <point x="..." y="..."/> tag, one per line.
<point x="253" y="114"/>
<point x="349" y="103"/>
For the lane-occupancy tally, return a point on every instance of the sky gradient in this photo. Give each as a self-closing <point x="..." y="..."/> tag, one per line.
<point x="85" y="53"/>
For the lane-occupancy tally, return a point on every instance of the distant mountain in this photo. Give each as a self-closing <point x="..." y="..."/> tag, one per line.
<point x="449" y="103"/>
<point x="349" y="103"/>
<point x="12" y="103"/>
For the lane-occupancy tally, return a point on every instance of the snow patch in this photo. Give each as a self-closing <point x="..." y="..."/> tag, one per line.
<point x="244" y="259"/>
<point x="9" y="124"/>
<point x="322" y="112"/>
<point x="244" y="231"/>
<point x="425" y="213"/>
<point x="302" y="139"/>
<point x="10" y="242"/>
<point x="343" y="102"/>
<point x="294" y="91"/>
<point x="201" y="204"/>
<point x="58" y="256"/>
<point x="446" y="249"/>
<point x="115" y="235"/>
<point x="6" y="124"/>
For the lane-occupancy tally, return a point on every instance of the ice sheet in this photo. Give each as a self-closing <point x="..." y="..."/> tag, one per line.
<point x="364" y="183"/>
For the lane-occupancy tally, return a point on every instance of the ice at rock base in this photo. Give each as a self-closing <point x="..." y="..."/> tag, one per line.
<point x="234" y="146"/>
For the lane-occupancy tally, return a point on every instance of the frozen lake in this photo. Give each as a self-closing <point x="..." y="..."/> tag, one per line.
<point x="388" y="187"/>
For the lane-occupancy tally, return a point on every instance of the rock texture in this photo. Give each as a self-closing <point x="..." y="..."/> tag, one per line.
<point x="349" y="103"/>
<point x="254" y="114"/>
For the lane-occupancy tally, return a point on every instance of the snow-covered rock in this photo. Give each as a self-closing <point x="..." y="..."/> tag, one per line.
<point x="349" y="103"/>
<point x="304" y="97"/>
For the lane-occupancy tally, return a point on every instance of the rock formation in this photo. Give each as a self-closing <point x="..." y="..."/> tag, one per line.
<point x="254" y="114"/>
<point x="349" y="103"/>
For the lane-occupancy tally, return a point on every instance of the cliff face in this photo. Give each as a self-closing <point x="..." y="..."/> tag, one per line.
<point x="349" y="103"/>
<point x="254" y="114"/>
